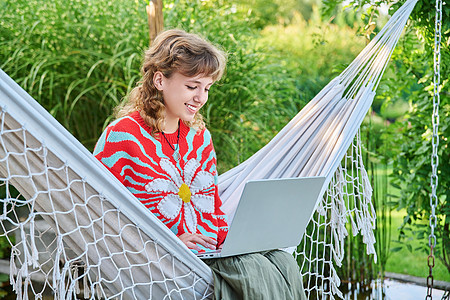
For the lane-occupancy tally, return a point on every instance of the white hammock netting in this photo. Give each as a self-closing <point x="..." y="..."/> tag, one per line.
<point x="76" y="232"/>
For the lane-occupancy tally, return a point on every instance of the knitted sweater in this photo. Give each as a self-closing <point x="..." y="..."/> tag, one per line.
<point x="182" y="194"/>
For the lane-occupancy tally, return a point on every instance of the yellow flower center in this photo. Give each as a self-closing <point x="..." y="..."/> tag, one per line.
<point x="185" y="193"/>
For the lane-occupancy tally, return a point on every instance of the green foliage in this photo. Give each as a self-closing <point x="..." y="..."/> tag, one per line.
<point x="409" y="80"/>
<point x="277" y="11"/>
<point x="77" y="58"/>
<point x="410" y="259"/>
<point x="373" y="130"/>
<point x="306" y="48"/>
<point x="5" y="248"/>
<point x="405" y="98"/>
<point x="423" y="17"/>
<point x="412" y="171"/>
<point x="410" y="143"/>
<point x="4" y="279"/>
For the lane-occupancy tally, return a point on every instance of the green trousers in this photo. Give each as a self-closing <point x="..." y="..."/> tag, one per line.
<point x="271" y="275"/>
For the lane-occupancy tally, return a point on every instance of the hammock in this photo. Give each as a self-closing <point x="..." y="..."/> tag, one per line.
<point x="77" y="232"/>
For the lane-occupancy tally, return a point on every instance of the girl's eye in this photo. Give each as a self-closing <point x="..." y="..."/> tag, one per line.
<point x="191" y="87"/>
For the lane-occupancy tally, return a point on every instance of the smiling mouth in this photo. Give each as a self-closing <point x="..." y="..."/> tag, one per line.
<point x="191" y="107"/>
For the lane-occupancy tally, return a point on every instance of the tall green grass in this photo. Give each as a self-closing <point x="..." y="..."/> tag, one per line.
<point x="313" y="51"/>
<point x="77" y="58"/>
<point x="80" y="58"/>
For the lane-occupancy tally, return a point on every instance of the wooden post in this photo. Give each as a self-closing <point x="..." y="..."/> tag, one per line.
<point x="155" y="18"/>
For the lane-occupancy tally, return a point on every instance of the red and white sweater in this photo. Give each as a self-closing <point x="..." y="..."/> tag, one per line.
<point x="183" y="194"/>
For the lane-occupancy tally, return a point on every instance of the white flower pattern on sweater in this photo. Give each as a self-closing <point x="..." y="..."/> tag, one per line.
<point x="187" y="193"/>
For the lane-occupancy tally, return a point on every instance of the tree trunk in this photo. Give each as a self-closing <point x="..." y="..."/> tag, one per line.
<point x="155" y="18"/>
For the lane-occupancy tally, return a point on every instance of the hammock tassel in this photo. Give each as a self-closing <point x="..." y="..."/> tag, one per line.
<point x="18" y="288"/>
<point x="75" y="277"/>
<point x="336" y="282"/>
<point x="62" y="282"/>
<point x="12" y="268"/>
<point x="34" y="251"/>
<point x="85" y="283"/>
<point x="26" y="253"/>
<point x="320" y="209"/>
<point x="25" y="288"/>
<point x="56" y="272"/>
<point x="97" y="287"/>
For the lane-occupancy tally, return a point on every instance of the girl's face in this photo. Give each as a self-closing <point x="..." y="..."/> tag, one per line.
<point x="183" y="96"/>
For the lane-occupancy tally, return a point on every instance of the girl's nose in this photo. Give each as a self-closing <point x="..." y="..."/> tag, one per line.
<point x="201" y="97"/>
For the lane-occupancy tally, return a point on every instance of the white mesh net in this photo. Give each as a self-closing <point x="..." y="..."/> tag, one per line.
<point x="68" y="240"/>
<point x="348" y="199"/>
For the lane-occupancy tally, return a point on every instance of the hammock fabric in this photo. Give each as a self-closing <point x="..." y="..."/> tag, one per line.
<point x="77" y="232"/>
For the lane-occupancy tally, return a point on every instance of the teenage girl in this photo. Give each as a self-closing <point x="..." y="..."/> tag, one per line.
<point x="159" y="148"/>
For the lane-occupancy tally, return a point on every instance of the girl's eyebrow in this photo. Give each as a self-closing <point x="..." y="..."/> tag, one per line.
<point x="198" y="82"/>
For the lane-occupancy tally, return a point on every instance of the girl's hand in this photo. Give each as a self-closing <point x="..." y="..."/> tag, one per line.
<point x="191" y="241"/>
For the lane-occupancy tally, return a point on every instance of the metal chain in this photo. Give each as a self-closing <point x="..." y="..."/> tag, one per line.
<point x="446" y="295"/>
<point x="435" y="145"/>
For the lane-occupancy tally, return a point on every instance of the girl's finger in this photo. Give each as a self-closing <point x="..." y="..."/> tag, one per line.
<point x="209" y="240"/>
<point x="191" y="240"/>
<point x="194" y="246"/>
<point x="206" y="241"/>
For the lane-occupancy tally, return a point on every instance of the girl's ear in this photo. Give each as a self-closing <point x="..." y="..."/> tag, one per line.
<point x="158" y="78"/>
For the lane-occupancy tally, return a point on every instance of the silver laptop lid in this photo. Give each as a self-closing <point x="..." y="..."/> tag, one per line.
<point x="272" y="214"/>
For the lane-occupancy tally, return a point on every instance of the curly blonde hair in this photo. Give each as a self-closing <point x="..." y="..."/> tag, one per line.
<point x="172" y="51"/>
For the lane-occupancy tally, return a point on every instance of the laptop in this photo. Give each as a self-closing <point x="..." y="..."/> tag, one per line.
<point x="271" y="214"/>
